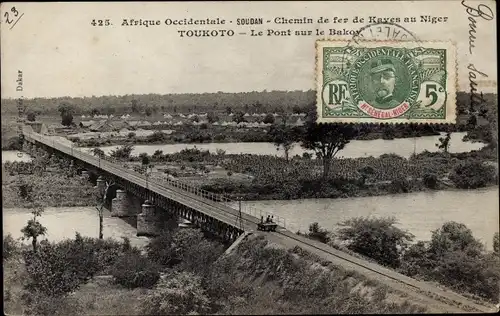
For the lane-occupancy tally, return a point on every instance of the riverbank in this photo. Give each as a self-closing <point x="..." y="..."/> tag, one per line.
<point x="452" y="257"/>
<point x="259" y="177"/>
<point x="55" y="187"/>
<point x="257" y="278"/>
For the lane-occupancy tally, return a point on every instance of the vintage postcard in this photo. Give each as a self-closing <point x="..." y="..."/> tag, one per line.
<point x="250" y="157"/>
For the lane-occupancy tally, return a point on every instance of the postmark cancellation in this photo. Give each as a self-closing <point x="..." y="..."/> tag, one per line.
<point x="386" y="82"/>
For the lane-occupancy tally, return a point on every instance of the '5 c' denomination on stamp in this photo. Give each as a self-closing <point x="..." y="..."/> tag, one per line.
<point x="386" y="82"/>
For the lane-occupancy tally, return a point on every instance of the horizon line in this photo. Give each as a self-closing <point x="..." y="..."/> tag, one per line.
<point x="182" y="93"/>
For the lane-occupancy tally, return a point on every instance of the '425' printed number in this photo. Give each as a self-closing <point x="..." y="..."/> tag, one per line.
<point x="100" y="22"/>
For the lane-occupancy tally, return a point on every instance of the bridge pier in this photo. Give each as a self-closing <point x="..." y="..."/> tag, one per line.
<point x="147" y="222"/>
<point x="121" y="205"/>
<point x="101" y="185"/>
<point x="85" y="174"/>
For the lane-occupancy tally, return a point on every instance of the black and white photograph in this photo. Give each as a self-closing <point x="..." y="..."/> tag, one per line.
<point x="250" y="157"/>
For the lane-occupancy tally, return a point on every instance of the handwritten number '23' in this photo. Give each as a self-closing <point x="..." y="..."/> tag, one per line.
<point x="15" y="13"/>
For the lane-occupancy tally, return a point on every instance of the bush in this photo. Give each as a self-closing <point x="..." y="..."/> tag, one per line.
<point x="453" y="236"/>
<point x="122" y="152"/>
<point x="10" y="247"/>
<point x="31" y="116"/>
<point x="268" y="119"/>
<point x="455" y="258"/>
<point x="472" y="174"/>
<point x="161" y="250"/>
<point x="376" y="238"/>
<point x="177" y="294"/>
<point x="56" y="269"/>
<point x="400" y="186"/>
<point x="318" y="233"/>
<point x="200" y="256"/>
<point x="131" y="135"/>
<point x="430" y="181"/>
<point x="43" y="305"/>
<point x="133" y="270"/>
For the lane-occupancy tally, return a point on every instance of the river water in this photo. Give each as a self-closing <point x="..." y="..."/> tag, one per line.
<point x="419" y="212"/>
<point x="64" y="222"/>
<point x="357" y="148"/>
<point x="14" y="155"/>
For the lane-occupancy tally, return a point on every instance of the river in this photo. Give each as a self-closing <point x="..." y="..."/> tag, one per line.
<point x="14" y="155"/>
<point x="419" y="212"/>
<point x="64" y="222"/>
<point x="357" y="148"/>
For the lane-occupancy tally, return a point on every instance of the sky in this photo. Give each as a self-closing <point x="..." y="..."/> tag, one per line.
<point x="61" y="54"/>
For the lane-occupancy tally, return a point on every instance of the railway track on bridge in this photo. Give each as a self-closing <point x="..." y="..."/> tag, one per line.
<point x="438" y="300"/>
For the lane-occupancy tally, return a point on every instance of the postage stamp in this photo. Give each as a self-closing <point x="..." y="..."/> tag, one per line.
<point x="386" y="82"/>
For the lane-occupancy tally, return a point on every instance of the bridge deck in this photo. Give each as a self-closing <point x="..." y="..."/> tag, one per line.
<point x="216" y="210"/>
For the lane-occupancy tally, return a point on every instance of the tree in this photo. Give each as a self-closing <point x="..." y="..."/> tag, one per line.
<point x="144" y="159"/>
<point x="34" y="228"/>
<point x="268" y="119"/>
<point x="444" y="142"/>
<point x="365" y="172"/>
<point x="101" y="199"/>
<point x="66" y="110"/>
<point x="377" y="238"/>
<point x="453" y="236"/>
<point x="157" y="154"/>
<point x="122" y="152"/>
<point x="229" y="110"/>
<point x="212" y="117"/>
<point x="67" y="119"/>
<point x="98" y="152"/>
<point x="134" y="106"/>
<point x="239" y="117"/>
<point x="148" y="111"/>
<point x="327" y="140"/>
<point x="472" y="174"/>
<point x="95" y="111"/>
<point x="30" y="116"/>
<point x="283" y="137"/>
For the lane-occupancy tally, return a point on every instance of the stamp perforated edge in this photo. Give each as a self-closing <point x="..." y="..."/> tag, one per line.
<point x="451" y="103"/>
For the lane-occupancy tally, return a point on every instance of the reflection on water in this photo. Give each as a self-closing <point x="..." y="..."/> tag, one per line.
<point x="64" y="222"/>
<point x="420" y="213"/>
<point x="358" y="148"/>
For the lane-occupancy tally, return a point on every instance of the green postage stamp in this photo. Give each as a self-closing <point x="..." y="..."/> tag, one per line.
<point x="386" y="82"/>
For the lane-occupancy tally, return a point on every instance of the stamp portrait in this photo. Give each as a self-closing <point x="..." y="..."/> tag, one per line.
<point x="386" y="82"/>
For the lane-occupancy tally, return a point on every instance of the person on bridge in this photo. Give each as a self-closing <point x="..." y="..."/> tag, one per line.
<point x="268" y="219"/>
<point x="262" y="219"/>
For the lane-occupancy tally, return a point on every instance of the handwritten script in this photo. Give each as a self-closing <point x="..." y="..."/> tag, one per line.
<point x="481" y="12"/>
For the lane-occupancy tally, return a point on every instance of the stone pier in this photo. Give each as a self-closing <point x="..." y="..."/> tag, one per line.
<point x="120" y="206"/>
<point x="85" y="174"/>
<point x="147" y="221"/>
<point x="101" y="185"/>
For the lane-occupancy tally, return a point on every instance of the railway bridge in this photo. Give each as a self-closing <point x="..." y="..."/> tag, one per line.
<point x="148" y="199"/>
<point x="211" y="212"/>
